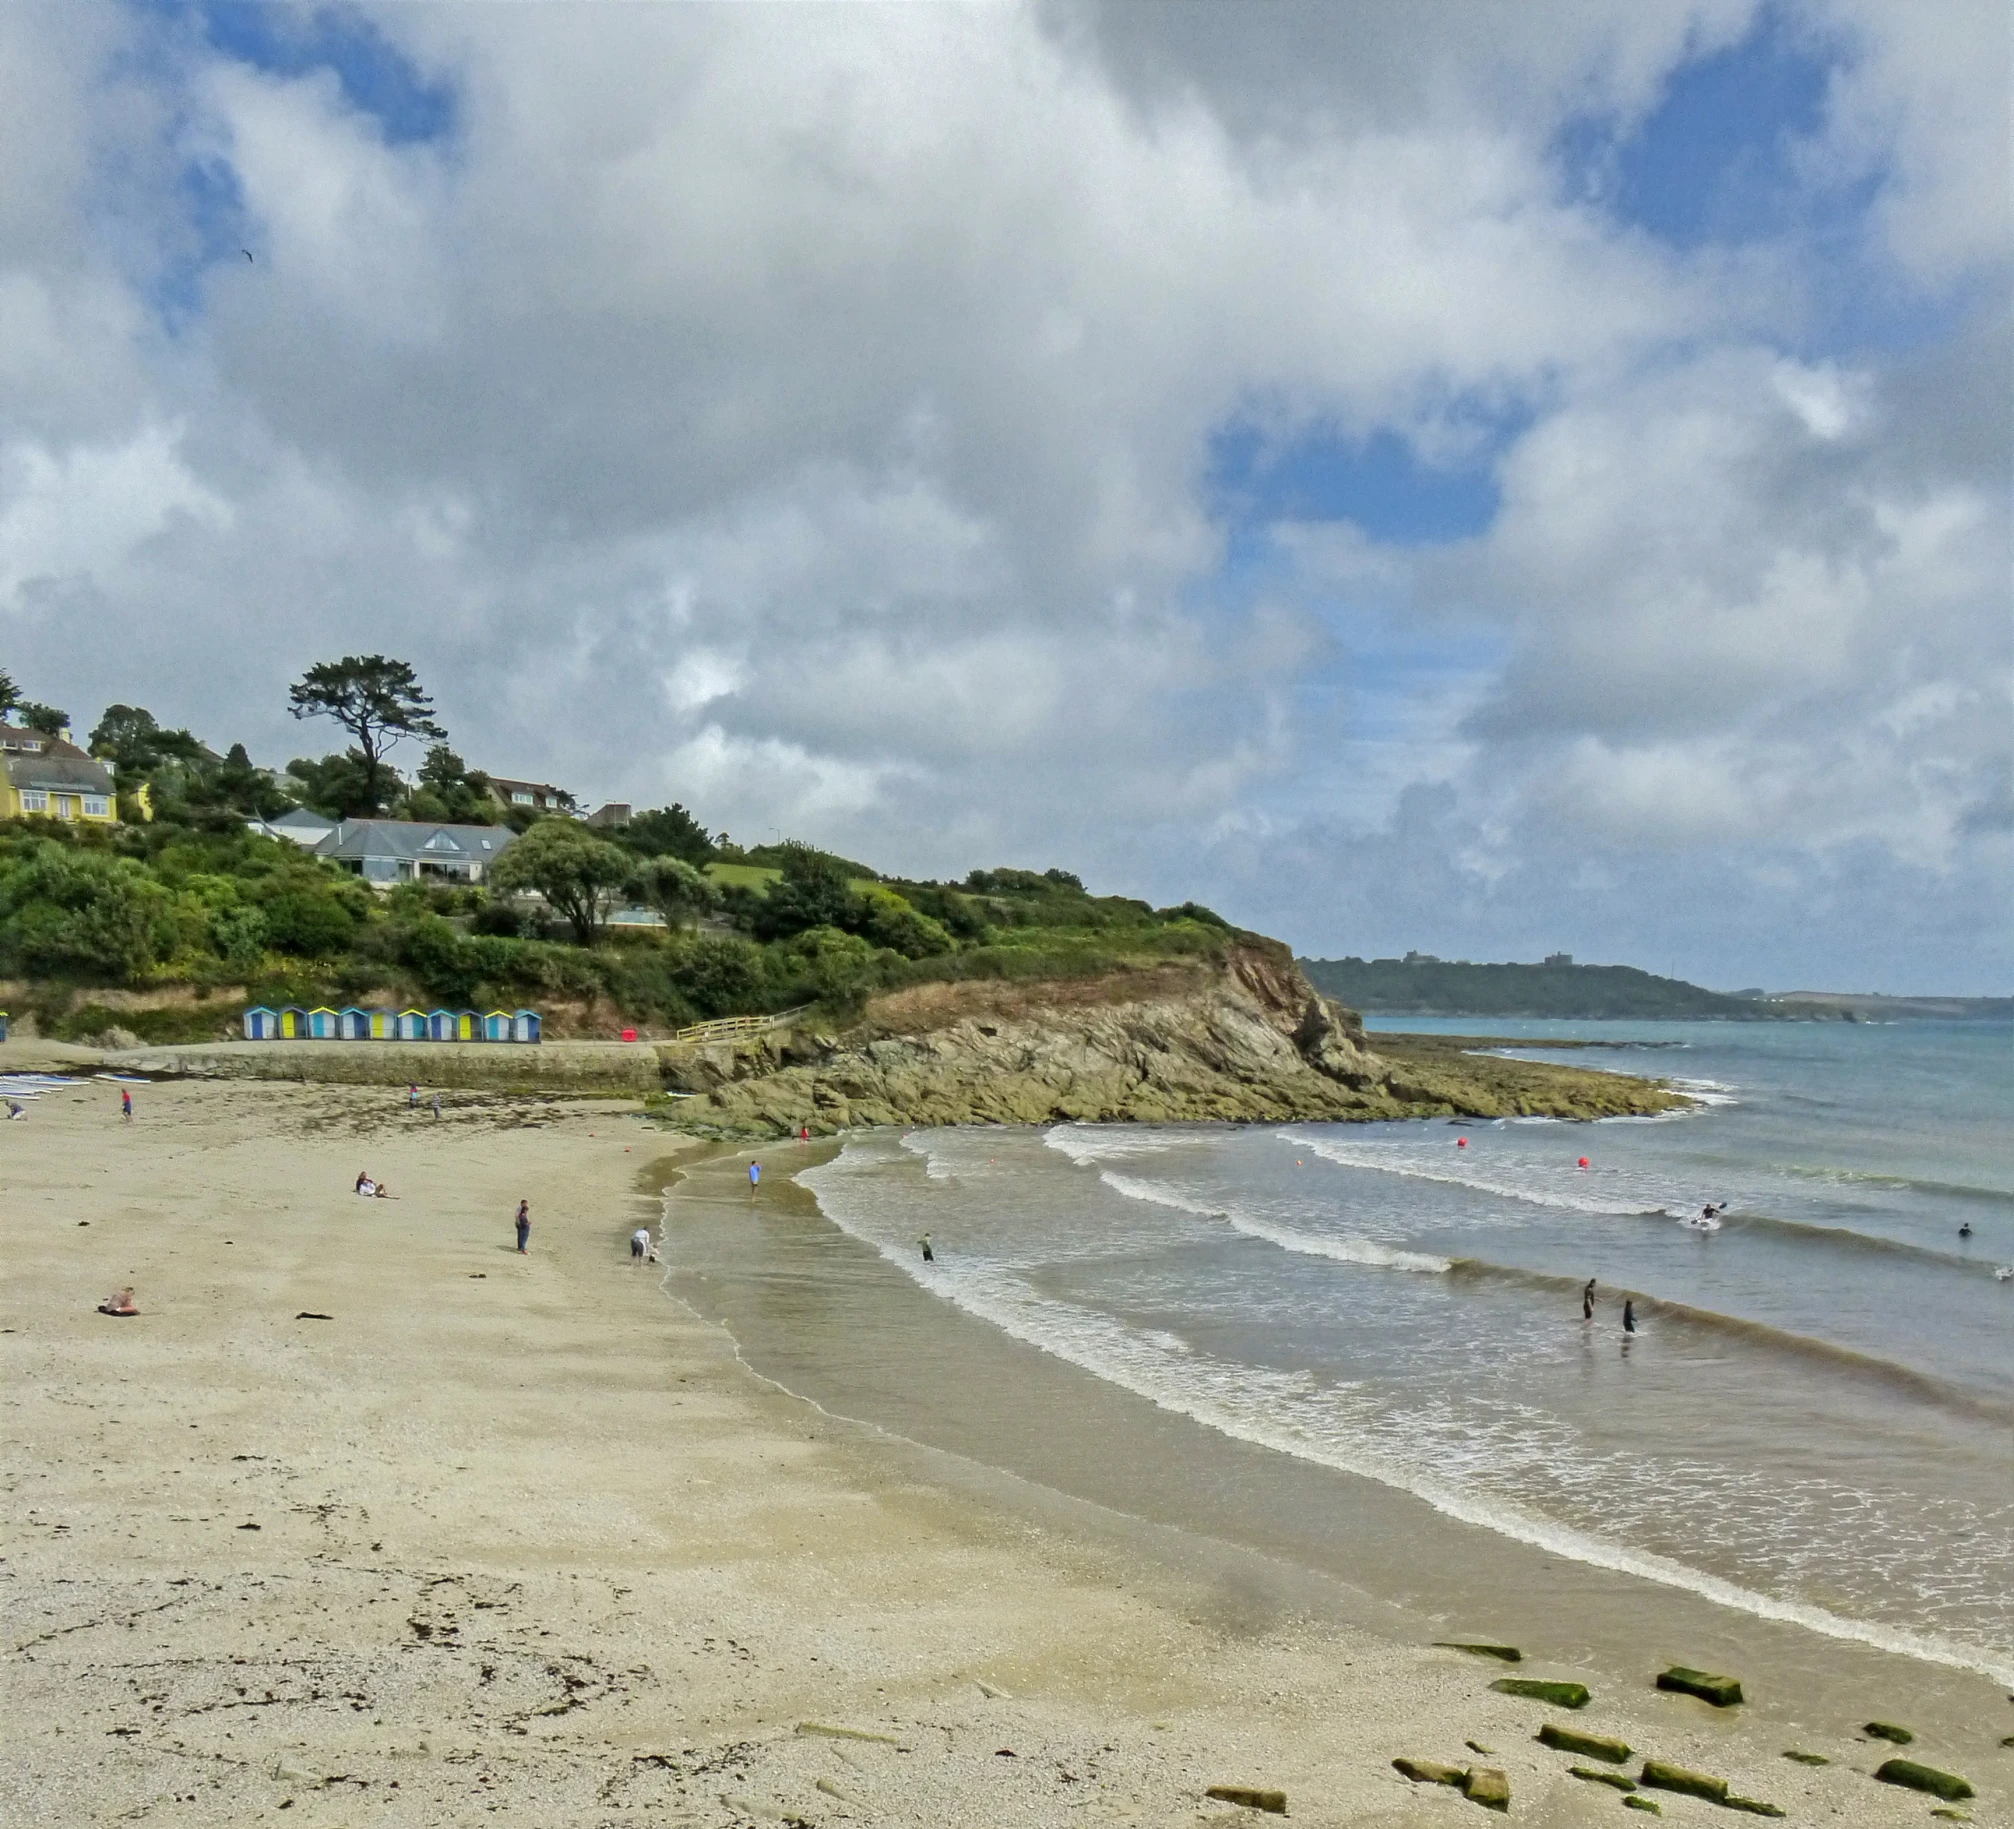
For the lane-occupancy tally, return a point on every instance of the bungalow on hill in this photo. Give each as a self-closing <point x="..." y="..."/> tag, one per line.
<point x="304" y="826"/>
<point x="413" y="850"/>
<point x="532" y="796"/>
<point x="47" y="774"/>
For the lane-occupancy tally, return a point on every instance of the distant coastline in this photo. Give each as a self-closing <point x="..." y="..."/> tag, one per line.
<point x="1419" y="985"/>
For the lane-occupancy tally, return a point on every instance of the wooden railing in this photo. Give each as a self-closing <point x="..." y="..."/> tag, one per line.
<point x="724" y="1027"/>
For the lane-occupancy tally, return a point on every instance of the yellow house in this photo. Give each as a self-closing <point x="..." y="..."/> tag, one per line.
<point x="50" y="777"/>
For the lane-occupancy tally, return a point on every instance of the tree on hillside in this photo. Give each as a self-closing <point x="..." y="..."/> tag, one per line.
<point x="675" y="889"/>
<point x="450" y="791"/>
<point x="10" y="694"/>
<point x="50" y="718"/>
<point x="584" y="879"/>
<point x="667" y="832"/>
<point x="378" y="701"/>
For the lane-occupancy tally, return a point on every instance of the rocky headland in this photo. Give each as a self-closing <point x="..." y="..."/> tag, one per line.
<point x="1241" y="1038"/>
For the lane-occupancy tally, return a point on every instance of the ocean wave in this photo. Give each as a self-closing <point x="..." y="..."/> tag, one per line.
<point x="1844" y="1238"/>
<point x="1912" y="1184"/>
<point x="1088" y="1143"/>
<point x="1924" y="1386"/>
<point x="1389" y="1162"/>
<point x="1108" y="1350"/>
<point x="1364" y="1251"/>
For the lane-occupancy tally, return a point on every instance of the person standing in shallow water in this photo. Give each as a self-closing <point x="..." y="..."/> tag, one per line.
<point x="754" y="1178"/>
<point x="1629" y="1317"/>
<point x="1587" y="1301"/>
<point x="929" y="1256"/>
<point x="523" y="1224"/>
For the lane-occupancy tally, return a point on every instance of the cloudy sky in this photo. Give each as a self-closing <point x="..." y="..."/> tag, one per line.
<point x="1471" y="477"/>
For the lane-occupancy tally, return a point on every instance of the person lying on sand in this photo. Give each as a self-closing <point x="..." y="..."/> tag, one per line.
<point x="15" y="1109"/>
<point x="119" y="1302"/>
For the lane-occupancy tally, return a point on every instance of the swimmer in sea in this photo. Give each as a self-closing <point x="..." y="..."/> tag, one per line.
<point x="1587" y="1301"/>
<point x="1965" y="1231"/>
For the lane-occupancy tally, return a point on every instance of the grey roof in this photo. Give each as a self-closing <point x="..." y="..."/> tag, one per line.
<point x="416" y="840"/>
<point x="63" y="767"/>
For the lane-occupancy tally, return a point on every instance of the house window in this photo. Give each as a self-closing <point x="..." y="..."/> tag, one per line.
<point x="96" y="806"/>
<point x="34" y="800"/>
<point x="519" y="798"/>
<point x="33" y="749"/>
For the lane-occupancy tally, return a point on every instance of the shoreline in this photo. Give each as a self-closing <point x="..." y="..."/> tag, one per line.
<point x="1108" y="1410"/>
<point x="521" y="1538"/>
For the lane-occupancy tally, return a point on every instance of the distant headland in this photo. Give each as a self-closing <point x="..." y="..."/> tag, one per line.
<point x="1421" y="985"/>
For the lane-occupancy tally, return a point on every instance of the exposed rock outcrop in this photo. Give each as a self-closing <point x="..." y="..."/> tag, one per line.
<point x="1244" y="1039"/>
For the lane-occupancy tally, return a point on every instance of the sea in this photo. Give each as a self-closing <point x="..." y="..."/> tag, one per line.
<point x="1812" y="1421"/>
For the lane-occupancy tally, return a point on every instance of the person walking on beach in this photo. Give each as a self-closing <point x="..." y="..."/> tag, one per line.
<point x="437" y="1108"/>
<point x="126" y="1104"/>
<point x="412" y="1098"/>
<point x="639" y="1245"/>
<point x="929" y="1256"/>
<point x="523" y="1225"/>
<point x="1629" y="1317"/>
<point x="1587" y="1301"/>
<point x="754" y="1178"/>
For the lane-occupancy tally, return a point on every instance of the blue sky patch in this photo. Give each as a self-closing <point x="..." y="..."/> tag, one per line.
<point x="1379" y="483"/>
<point x="1716" y="161"/>
<point x="377" y="78"/>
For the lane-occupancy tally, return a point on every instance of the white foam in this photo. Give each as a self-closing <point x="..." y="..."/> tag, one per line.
<point x="1088" y="1143"/>
<point x="1387" y="1159"/>
<point x="1242" y="1402"/>
<point x="1309" y="1244"/>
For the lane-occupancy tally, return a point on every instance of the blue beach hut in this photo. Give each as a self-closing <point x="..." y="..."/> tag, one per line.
<point x="496" y="1026"/>
<point x="293" y="1023"/>
<point x="525" y="1026"/>
<point x="410" y="1025"/>
<point x="322" y="1024"/>
<point x="440" y="1025"/>
<point x="261" y="1024"/>
<point x="353" y="1024"/>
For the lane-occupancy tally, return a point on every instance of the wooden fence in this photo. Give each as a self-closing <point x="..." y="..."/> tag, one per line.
<point x="724" y="1028"/>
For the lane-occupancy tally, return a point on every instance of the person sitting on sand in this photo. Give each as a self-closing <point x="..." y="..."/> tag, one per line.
<point x="363" y="1179"/>
<point x="119" y="1302"/>
<point x="367" y="1187"/>
<point x="15" y="1109"/>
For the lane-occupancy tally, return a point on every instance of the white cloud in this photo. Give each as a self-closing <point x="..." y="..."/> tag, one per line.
<point x="807" y="415"/>
<point x="82" y="512"/>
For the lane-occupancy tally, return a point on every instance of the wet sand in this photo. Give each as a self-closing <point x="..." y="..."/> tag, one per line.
<point x="522" y="1539"/>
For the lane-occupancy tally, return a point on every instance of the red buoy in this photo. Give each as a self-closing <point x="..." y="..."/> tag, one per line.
<point x="1461" y="1143"/>
<point x="1583" y="1162"/>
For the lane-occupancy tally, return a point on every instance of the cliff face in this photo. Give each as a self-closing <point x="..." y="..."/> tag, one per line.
<point x="1245" y="1040"/>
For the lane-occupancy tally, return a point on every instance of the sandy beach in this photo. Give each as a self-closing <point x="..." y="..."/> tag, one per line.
<point x="366" y="1518"/>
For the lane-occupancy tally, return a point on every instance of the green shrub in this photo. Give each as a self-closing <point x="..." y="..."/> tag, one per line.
<point x="309" y="924"/>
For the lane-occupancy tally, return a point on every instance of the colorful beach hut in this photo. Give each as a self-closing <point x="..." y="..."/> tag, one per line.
<point x="353" y="1024"/>
<point x="468" y="1026"/>
<point x="382" y="1024"/>
<point x="322" y="1024"/>
<point x="3" y="1025"/>
<point x="525" y="1026"/>
<point x="440" y="1025"/>
<point x="261" y="1024"/>
<point x="496" y="1026"/>
<point x="410" y="1025"/>
<point x="293" y="1023"/>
